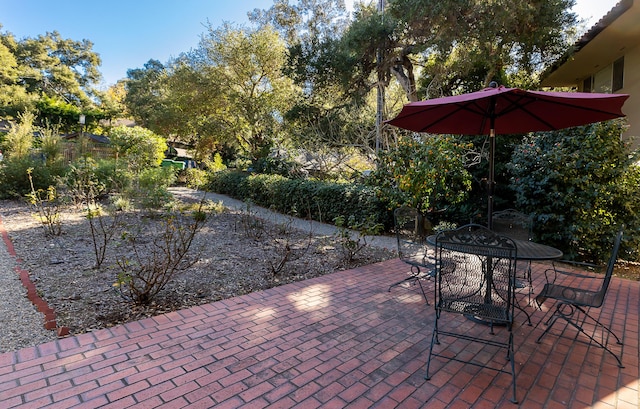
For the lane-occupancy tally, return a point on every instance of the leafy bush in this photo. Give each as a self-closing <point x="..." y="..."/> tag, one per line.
<point x="215" y="165"/>
<point x="116" y="179"/>
<point x="14" y="180"/>
<point x="152" y="187"/>
<point x="18" y="142"/>
<point x="83" y="183"/>
<point x="318" y="200"/>
<point x="195" y="178"/>
<point x="582" y="185"/>
<point x="427" y="175"/>
<point x="138" y="147"/>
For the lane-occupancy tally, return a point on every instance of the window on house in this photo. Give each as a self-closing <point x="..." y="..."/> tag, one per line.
<point x="607" y="80"/>
<point x="602" y="79"/>
<point x="618" y="75"/>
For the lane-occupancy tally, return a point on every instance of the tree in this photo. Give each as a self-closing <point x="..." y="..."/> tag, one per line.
<point x="53" y="76"/>
<point x="247" y="65"/>
<point x="13" y="97"/>
<point x="497" y="37"/>
<point x="146" y="96"/>
<point x="333" y="114"/>
<point x="60" y="68"/>
<point x="140" y="147"/>
<point x="450" y="39"/>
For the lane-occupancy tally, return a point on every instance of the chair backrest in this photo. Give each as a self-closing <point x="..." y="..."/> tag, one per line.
<point x="409" y="225"/>
<point x="475" y="273"/>
<point x="599" y="298"/>
<point x="513" y="224"/>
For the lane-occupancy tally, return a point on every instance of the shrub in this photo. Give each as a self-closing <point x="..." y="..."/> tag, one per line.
<point x="47" y="205"/>
<point x="139" y="147"/>
<point x="157" y="260"/>
<point x="152" y="187"/>
<point x="195" y="178"/>
<point x="116" y="179"/>
<point x="83" y="183"/>
<point x="18" y="142"/>
<point x="14" y="180"/>
<point x="427" y="175"/>
<point x="318" y="200"/>
<point x="582" y="185"/>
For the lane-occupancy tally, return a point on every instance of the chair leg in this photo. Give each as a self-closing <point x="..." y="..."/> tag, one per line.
<point x="569" y="318"/>
<point x="434" y="341"/>
<point x="512" y="358"/>
<point x="415" y="278"/>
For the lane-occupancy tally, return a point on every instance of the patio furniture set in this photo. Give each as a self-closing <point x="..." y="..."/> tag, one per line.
<point x="479" y="272"/>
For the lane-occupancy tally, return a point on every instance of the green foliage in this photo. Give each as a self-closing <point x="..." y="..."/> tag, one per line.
<point x="469" y="43"/>
<point x="115" y="177"/>
<point x="49" y="74"/>
<point x="14" y="180"/>
<point x="146" y="97"/>
<point x="582" y="184"/>
<point x="318" y="200"/>
<point x="427" y="175"/>
<point x="216" y="164"/>
<point x="19" y="140"/>
<point x="138" y="148"/>
<point x="195" y="178"/>
<point x="83" y="182"/>
<point x="152" y="187"/>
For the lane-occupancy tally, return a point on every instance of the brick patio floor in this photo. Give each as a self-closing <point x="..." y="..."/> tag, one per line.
<point x="338" y="341"/>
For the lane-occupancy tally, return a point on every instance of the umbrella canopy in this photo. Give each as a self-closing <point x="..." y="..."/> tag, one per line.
<point x="507" y="111"/>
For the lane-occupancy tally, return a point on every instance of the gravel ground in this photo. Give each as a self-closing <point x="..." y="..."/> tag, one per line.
<point x="21" y="324"/>
<point x="59" y="269"/>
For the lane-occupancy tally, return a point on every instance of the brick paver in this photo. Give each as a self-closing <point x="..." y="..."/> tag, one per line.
<point x="341" y="340"/>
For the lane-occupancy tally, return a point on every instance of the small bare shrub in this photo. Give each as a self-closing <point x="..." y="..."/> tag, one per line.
<point x="353" y="243"/>
<point x="252" y="226"/>
<point x="283" y="248"/>
<point x="159" y="252"/>
<point x="47" y="204"/>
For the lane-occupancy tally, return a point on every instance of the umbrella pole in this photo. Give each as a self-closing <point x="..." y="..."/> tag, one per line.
<point x="491" y="184"/>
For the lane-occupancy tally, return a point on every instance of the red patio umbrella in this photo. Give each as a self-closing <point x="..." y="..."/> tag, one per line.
<point x="507" y="111"/>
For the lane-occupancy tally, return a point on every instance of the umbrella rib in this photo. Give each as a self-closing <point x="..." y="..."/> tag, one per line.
<point x="468" y="106"/>
<point x="515" y="105"/>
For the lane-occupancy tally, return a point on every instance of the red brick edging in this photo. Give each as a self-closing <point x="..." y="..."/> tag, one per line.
<point x="49" y="313"/>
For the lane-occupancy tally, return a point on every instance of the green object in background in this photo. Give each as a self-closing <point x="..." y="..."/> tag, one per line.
<point x="176" y="164"/>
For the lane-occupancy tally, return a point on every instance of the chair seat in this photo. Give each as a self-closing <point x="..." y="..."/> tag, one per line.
<point x="574" y="303"/>
<point x="573" y="295"/>
<point x="482" y="311"/>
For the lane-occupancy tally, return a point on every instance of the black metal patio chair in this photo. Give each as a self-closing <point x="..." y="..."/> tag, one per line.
<point x="518" y="226"/>
<point x="574" y="302"/>
<point x="475" y="277"/>
<point x="411" y="231"/>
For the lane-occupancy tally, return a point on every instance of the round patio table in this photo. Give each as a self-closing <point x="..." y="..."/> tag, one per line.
<point x="527" y="250"/>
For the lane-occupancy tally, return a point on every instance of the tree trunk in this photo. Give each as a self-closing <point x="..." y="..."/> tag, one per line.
<point x="402" y="69"/>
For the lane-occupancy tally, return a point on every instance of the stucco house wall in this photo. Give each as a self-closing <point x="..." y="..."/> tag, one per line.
<point x="589" y="63"/>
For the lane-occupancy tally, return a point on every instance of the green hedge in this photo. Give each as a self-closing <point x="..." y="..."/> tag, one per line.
<point x="318" y="200"/>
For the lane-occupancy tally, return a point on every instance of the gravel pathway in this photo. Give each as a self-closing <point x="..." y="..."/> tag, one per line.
<point x="21" y="324"/>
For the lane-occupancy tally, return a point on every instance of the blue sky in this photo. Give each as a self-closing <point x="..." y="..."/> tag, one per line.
<point x="129" y="33"/>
